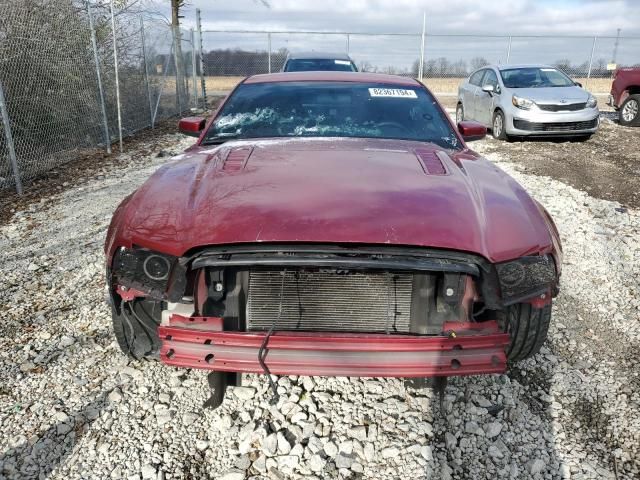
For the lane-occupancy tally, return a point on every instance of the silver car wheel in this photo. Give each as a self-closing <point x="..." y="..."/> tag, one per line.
<point x="497" y="126"/>
<point x="630" y="110"/>
<point x="459" y="114"/>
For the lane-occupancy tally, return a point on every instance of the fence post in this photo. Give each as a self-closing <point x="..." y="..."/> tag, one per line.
<point x="164" y="79"/>
<point x="593" y="49"/>
<point x="146" y="74"/>
<point x="269" y="49"/>
<point x="194" y="73"/>
<point x="348" y="41"/>
<point x="177" y="38"/>
<point x="115" y="62"/>
<point x="202" y="79"/>
<point x="424" y="27"/>
<point x="10" y="146"/>
<point x="508" y="50"/>
<point x="94" y="44"/>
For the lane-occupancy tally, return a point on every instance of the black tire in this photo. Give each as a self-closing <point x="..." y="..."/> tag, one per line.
<point x="459" y="113"/>
<point x="498" y="129"/>
<point x="528" y="328"/>
<point x="136" y="328"/>
<point x="630" y="106"/>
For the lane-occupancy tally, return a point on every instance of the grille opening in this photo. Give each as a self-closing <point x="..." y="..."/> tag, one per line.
<point x="330" y="300"/>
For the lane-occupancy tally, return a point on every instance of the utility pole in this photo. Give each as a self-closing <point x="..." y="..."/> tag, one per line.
<point x="181" y="91"/>
<point x="424" y="29"/>
<point x="615" y="47"/>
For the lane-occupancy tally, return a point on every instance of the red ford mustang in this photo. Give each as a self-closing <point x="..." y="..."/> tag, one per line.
<point x="330" y="223"/>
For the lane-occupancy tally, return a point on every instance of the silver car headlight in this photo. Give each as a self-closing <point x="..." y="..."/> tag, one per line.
<point x="523" y="103"/>
<point x="592" y="102"/>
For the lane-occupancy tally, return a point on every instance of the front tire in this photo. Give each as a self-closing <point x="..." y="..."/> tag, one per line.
<point x="498" y="127"/>
<point x="136" y="328"/>
<point x="528" y="328"/>
<point x="630" y="111"/>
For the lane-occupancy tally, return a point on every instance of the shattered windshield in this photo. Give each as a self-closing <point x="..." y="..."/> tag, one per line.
<point x="332" y="109"/>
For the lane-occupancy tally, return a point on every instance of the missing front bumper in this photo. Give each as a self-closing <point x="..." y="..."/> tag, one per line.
<point x="468" y="349"/>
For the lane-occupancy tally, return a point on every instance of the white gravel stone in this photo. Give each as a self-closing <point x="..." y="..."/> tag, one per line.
<point x="493" y="429"/>
<point x="389" y="452"/>
<point x="330" y="449"/>
<point x="244" y="393"/>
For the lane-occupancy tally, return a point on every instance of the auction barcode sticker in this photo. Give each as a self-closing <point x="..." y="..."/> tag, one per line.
<point x="392" y="92"/>
<point x="342" y="62"/>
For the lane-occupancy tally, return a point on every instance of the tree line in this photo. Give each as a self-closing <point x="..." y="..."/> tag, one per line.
<point x="239" y="62"/>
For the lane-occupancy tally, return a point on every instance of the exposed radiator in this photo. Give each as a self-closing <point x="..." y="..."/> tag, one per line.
<point x="330" y="301"/>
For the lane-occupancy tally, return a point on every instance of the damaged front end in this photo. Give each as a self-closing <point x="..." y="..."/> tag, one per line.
<point x="330" y="310"/>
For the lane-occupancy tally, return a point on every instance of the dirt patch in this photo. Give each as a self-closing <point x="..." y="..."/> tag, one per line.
<point x="606" y="166"/>
<point x="77" y="172"/>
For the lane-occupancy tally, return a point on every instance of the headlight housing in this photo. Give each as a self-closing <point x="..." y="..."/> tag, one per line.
<point x="592" y="102"/>
<point x="523" y="103"/>
<point x="143" y="269"/>
<point x="525" y="277"/>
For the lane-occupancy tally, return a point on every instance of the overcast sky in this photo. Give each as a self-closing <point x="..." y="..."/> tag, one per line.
<point x="489" y="17"/>
<point x="575" y="17"/>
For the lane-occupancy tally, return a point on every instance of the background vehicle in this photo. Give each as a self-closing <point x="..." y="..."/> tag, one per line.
<point x="527" y="100"/>
<point x="318" y="61"/>
<point x="625" y="95"/>
<point x="332" y="223"/>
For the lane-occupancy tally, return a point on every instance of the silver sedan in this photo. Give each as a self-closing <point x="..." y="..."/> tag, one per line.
<point x="527" y="100"/>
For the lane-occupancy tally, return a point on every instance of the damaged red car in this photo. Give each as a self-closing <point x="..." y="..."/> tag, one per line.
<point x="330" y="223"/>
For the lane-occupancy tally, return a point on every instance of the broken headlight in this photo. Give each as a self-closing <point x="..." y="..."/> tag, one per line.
<point x="143" y="269"/>
<point x="525" y="277"/>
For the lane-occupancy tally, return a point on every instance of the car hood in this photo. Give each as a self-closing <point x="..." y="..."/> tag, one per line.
<point x="347" y="191"/>
<point x="552" y="94"/>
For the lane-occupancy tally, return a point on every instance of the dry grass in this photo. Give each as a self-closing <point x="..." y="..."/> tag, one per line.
<point x="436" y="85"/>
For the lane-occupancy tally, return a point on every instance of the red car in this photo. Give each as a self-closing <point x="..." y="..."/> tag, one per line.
<point x="330" y="223"/>
<point x="625" y="95"/>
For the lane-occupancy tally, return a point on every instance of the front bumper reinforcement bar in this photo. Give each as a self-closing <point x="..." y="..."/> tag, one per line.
<point x="466" y="349"/>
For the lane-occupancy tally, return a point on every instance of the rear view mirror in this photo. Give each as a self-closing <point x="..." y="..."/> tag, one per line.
<point x="191" y="126"/>
<point x="471" y="130"/>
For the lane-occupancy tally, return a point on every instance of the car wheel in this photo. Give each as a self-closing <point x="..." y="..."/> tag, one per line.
<point x="136" y="328"/>
<point x="630" y="111"/>
<point x="459" y="113"/>
<point x="498" y="126"/>
<point x="528" y="327"/>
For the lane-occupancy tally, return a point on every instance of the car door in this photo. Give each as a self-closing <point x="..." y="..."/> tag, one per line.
<point x="469" y="94"/>
<point x="484" y="101"/>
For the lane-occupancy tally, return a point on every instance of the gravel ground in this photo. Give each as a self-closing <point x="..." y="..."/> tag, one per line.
<point x="71" y="406"/>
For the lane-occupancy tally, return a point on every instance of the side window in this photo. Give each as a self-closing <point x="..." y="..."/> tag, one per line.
<point x="476" y="78"/>
<point x="490" y="79"/>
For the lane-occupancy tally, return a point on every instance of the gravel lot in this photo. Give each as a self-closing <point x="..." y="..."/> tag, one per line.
<point x="71" y="406"/>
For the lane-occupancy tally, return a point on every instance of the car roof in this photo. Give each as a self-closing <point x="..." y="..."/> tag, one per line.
<point x="328" y="76"/>
<point x="521" y="65"/>
<point x="318" y="55"/>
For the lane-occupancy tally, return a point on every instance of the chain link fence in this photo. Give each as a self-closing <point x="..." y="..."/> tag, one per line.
<point x="61" y="95"/>
<point x="75" y="76"/>
<point x="230" y="55"/>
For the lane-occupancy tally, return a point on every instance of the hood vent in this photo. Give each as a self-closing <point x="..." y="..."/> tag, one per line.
<point x="431" y="164"/>
<point x="236" y="159"/>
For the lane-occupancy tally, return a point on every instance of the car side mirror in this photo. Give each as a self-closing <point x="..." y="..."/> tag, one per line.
<point x="471" y="130"/>
<point x="488" y="88"/>
<point x="578" y="84"/>
<point x="191" y="126"/>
